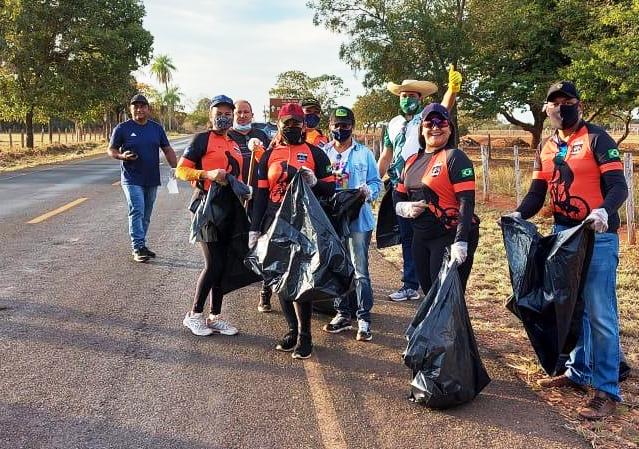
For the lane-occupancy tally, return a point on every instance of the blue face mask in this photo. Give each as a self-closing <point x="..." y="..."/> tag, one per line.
<point x="311" y="120"/>
<point x="222" y="123"/>
<point x="242" y="128"/>
<point x="341" y="135"/>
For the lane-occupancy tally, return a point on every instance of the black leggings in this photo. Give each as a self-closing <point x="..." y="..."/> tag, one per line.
<point x="298" y="316"/>
<point x="210" y="281"/>
<point x="428" y="255"/>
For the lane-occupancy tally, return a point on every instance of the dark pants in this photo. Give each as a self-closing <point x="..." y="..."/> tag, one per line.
<point x="409" y="276"/>
<point x="298" y="317"/>
<point x="210" y="281"/>
<point x="429" y="256"/>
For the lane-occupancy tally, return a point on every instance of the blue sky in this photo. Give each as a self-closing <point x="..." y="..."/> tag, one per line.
<point x="238" y="47"/>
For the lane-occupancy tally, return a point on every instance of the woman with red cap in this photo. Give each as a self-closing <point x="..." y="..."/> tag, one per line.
<point x="288" y="154"/>
<point x="437" y="191"/>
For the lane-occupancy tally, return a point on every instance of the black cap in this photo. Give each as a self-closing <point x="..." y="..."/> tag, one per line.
<point x="139" y="98"/>
<point x="311" y="102"/>
<point x="435" y="108"/>
<point x="342" y="114"/>
<point x="563" y="88"/>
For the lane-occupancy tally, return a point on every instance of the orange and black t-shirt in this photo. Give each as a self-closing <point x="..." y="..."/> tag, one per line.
<point x="316" y="138"/>
<point x="583" y="173"/>
<point x="445" y="180"/>
<point x="210" y="151"/>
<point x="275" y="170"/>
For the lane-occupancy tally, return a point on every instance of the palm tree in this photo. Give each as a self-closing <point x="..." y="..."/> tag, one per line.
<point x="171" y="99"/>
<point x="162" y="68"/>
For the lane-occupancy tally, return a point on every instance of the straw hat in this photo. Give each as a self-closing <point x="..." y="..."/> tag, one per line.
<point x="423" y="87"/>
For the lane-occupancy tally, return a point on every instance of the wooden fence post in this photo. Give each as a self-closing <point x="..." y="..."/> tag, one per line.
<point x="42" y="135"/>
<point x="22" y="136"/>
<point x="485" y="172"/>
<point x="517" y="175"/>
<point x="630" y="202"/>
<point x="10" y="137"/>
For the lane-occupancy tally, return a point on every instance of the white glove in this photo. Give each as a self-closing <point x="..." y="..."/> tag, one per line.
<point x="410" y="209"/>
<point x="248" y="196"/>
<point x="308" y="176"/>
<point x="254" y="142"/>
<point x="598" y="219"/>
<point x="172" y="173"/>
<point x="252" y="240"/>
<point x="366" y="191"/>
<point x="513" y="214"/>
<point x="459" y="252"/>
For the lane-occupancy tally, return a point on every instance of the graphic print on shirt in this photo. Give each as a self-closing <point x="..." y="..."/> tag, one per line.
<point x="573" y="207"/>
<point x="282" y="172"/>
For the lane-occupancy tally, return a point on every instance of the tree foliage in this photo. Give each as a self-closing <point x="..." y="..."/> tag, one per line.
<point x="374" y="107"/>
<point x="69" y="57"/>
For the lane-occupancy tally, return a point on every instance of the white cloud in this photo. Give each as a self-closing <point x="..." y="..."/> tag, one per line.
<point x="238" y="48"/>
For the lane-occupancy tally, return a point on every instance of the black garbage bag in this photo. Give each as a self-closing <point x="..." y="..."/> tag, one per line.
<point x="387" y="231"/>
<point x="219" y="216"/>
<point x="442" y="351"/>
<point x="547" y="276"/>
<point x="300" y="256"/>
<point x="342" y="208"/>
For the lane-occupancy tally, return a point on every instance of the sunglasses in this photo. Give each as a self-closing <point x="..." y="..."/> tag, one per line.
<point x="439" y="123"/>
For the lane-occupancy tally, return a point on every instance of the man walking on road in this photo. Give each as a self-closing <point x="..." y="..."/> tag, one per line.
<point x="136" y="143"/>
<point x="401" y="141"/>
<point x="243" y="131"/>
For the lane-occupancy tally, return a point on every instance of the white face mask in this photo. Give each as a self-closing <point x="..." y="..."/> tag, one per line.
<point x="241" y="128"/>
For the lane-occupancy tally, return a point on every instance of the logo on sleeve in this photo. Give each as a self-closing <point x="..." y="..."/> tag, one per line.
<point x="302" y="157"/>
<point x="613" y="153"/>
<point x="466" y="172"/>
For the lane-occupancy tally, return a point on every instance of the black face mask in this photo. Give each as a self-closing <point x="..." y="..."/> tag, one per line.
<point x="293" y="135"/>
<point x="565" y="116"/>
<point x="341" y="135"/>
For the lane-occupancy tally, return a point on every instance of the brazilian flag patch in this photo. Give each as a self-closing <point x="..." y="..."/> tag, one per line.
<point x="466" y="172"/>
<point x="613" y="153"/>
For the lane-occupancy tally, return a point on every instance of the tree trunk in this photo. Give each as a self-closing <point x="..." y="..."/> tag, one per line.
<point x="29" y="124"/>
<point x="627" y="118"/>
<point x="535" y="129"/>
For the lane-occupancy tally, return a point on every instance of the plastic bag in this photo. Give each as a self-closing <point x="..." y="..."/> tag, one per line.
<point x="171" y="184"/>
<point x="547" y="276"/>
<point x="387" y="231"/>
<point x="342" y="208"/>
<point x="300" y="255"/>
<point x="442" y="351"/>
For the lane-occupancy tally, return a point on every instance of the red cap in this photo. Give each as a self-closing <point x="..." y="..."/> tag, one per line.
<point x="291" y="111"/>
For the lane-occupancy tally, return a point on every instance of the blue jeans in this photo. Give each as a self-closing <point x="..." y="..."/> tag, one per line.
<point x="595" y="359"/>
<point x="409" y="276"/>
<point x="140" y="200"/>
<point x="357" y="244"/>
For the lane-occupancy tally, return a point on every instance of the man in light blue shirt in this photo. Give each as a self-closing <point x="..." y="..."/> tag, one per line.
<point x="354" y="167"/>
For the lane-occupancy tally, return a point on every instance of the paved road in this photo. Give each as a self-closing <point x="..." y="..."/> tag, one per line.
<point x="93" y="353"/>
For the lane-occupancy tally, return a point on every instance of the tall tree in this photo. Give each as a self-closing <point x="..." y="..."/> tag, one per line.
<point x="324" y="88"/>
<point x="69" y="56"/>
<point x="171" y="100"/>
<point x="162" y="68"/>
<point x="376" y="106"/>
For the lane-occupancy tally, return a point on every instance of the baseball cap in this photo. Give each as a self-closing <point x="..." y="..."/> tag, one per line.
<point x="221" y="99"/>
<point x="435" y="108"/>
<point x="311" y="102"/>
<point x="564" y="88"/>
<point x="291" y="111"/>
<point x="139" y="98"/>
<point x="342" y="114"/>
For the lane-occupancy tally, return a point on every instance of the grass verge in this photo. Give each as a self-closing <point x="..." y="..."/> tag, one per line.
<point x="19" y="158"/>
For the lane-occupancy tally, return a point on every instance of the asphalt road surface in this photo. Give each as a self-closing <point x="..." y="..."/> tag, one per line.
<point x="93" y="353"/>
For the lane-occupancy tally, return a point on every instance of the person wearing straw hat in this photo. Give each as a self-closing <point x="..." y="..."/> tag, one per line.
<point x="401" y="141"/>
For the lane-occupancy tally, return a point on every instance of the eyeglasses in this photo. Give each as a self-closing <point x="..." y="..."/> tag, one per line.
<point x="439" y="123"/>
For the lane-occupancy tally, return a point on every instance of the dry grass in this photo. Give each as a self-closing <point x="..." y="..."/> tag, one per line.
<point x="18" y="158"/>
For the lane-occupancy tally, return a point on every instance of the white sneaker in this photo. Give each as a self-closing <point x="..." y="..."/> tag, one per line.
<point x="219" y="326"/>
<point x="404" y="294"/>
<point x="197" y="324"/>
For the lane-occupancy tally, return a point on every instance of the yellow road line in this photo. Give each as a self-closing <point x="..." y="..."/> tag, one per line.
<point x="116" y="183"/>
<point x="329" y="426"/>
<point x="57" y="211"/>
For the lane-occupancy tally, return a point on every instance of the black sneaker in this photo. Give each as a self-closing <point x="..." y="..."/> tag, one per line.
<point x="139" y="255"/>
<point x="337" y="325"/>
<point x="624" y="371"/>
<point x="303" y="349"/>
<point x="148" y="252"/>
<point x="264" y="305"/>
<point x="288" y="342"/>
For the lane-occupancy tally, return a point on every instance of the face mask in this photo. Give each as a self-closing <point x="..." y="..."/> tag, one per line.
<point x="293" y="135"/>
<point x="312" y="120"/>
<point x="409" y="105"/>
<point x="341" y="135"/>
<point x="242" y="128"/>
<point x="222" y="123"/>
<point x="564" y="117"/>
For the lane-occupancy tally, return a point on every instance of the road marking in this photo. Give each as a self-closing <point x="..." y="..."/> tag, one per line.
<point x="116" y="183"/>
<point x="329" y="426"/>
<point x="57" y="211"/>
